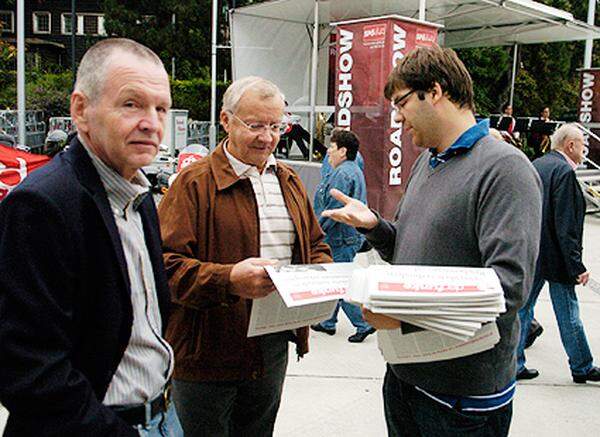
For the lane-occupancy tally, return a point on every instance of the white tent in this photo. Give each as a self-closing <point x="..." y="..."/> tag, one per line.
<point x="274" y="39"/>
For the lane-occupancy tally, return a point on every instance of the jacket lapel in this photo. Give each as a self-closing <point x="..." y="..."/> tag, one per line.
<point x="90" y="180"/>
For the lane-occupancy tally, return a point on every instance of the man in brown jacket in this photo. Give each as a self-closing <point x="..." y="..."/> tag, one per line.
<point x="222" y="221"/>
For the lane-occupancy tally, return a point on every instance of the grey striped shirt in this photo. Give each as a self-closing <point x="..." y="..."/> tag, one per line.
<point x="277" y="233"/>
<point x="148" y="359"/>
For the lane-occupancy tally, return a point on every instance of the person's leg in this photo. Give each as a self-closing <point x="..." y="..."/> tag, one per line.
<point x="163" y="425"/>
<point x="525" y="317"/>
<point x="572" y="334"/>
<point x="204" y="408"/>
<point x="354" y="314"/>
<point x="398" y="415"/>
<point x="330" y="323"/>
<point x="258" y="400"/>
<point x="436" y="419"/>
<point x="295" y="135"/>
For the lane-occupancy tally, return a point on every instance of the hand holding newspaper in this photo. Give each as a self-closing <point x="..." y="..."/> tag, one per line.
<point x="454" y="301"/>
<point x="446" y="309"/>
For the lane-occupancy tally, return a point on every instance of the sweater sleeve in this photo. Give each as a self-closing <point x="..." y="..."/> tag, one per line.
<point x="508" y="225"/>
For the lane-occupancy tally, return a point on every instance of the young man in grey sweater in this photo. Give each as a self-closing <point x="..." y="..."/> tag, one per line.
<point x="471" y="200"/>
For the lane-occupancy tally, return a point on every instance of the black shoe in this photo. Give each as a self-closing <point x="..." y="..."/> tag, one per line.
<point x="359" y="337"/>
<point x="532" y="335"/>
<point x="528" y="374"/>
<point x="592" y="375"/>
<point x="319" y="328"/>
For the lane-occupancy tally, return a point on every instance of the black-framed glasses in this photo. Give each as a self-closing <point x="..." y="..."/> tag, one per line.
<point x="258" y="128"/>
<point x="399" y="102"/>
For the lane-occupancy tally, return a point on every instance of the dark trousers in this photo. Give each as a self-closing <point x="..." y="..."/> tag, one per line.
<point x="411" y="413"/>
<point x="235" y="408"/>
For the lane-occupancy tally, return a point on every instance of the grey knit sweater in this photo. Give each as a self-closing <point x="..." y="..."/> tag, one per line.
<point x="479" y="209"/>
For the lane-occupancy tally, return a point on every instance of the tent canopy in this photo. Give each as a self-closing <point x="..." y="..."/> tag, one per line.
<point x="274" y="39"/>
<point x="467" y="23"/>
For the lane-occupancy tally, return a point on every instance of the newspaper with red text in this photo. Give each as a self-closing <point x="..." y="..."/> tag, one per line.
<point x="306" y="294"/>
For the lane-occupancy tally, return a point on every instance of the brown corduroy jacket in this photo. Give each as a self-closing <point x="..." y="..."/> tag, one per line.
<point x="209" y="222"/>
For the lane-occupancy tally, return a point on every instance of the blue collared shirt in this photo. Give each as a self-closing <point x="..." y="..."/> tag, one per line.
<point x="463" y="144"/>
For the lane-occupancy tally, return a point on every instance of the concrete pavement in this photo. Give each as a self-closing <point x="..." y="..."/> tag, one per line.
<point x="336" y="390"/>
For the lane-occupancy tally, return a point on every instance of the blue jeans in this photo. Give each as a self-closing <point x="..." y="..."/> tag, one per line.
<point x="236" y="408"/>
<point x="410" y="413"/>
<point x="572" y="335"/>
<point x="353" y="313"/>
<point x="163" y="425"/>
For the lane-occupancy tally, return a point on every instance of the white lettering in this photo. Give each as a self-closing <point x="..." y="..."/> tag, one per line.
<point x="395" y="155"/>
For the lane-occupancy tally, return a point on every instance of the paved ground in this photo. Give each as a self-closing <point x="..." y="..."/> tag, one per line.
<point x="336" y="390"/>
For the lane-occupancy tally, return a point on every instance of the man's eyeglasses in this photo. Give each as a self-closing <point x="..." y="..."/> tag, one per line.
<point x="258" y="128"/>
<point x="399" y="102"/>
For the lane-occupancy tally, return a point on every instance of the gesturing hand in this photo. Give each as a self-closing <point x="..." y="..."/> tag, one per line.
<point x="249" y="278"/>
<point x="353" y="213"/>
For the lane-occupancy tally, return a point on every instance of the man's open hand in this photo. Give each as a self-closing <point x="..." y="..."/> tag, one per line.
<point x="353" y="213"/>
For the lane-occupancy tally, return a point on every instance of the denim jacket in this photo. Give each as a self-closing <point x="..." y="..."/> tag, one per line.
<point x="344" y="240"/>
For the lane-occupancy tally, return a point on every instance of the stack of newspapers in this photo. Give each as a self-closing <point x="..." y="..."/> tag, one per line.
<point x="454" y="301"/>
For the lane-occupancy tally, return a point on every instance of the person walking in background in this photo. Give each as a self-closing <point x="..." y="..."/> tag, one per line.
<point x="559" y="261"/>
<point x="344" y="240"/>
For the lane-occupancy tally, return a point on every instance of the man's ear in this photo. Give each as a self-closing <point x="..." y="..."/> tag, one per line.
<point x="436" y="92"/>
<point x="225" y="119"/>
<point x="344" y="152"/>
<point x="80" y="105"/>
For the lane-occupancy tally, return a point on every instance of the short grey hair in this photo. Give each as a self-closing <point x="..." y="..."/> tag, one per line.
<point x="265" y="88"/>
<point x="566" y="132"/>
<point x="91" y="73"/>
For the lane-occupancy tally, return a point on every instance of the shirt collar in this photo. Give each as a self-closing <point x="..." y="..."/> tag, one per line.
<point x="120" y="191"/>
<point x="242" y="169"/>
<point x="569" y="160"/>
<point x="463" y="143"/>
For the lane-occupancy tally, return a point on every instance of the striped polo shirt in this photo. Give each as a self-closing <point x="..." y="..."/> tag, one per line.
<point x="148" y="360"/>
<point x="277" y="233"/>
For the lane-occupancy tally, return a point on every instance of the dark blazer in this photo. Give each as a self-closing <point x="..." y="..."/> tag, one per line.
<point x="562" y="220"/>
<point x="65" y="305"/>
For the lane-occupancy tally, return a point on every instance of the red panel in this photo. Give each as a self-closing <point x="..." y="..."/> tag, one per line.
<point x="366" y="54"/>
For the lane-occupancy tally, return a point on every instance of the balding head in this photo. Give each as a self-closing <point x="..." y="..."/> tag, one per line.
<point x="91" y="74"/>
<point x="569" y="139"/>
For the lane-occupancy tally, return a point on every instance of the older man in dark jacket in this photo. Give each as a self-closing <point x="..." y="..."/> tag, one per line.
<point x="559" y="260"/>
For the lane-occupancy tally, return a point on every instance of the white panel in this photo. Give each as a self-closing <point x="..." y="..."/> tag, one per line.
<point x="276" y="50"/>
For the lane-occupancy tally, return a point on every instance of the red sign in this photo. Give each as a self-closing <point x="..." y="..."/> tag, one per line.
<point x="589" y="110"/>
<point x="367" y="50"/>
<point x="15" y="166"/>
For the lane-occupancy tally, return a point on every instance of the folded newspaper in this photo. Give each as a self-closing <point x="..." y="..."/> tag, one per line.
<point x="306" y="294"/>
<point x="454" y="301"/>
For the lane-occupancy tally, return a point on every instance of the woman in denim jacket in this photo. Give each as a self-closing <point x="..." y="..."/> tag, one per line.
<point x="342" y="172"/>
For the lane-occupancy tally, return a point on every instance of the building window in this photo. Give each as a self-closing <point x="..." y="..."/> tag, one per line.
<point x="65" y="24"/>
<point x="92" y="24"/>
<point x="41" y="22"/>
<point x="7" y="21"/>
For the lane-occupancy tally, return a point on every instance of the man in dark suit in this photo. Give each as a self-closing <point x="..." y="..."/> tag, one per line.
<point x="83" y="292"/>
<point x="559" y="260"/>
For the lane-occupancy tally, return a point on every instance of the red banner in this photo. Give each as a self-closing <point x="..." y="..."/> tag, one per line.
<point x="15" y="166"/>
<point x="367" y="50"/>
<point x="589" y="109"/>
